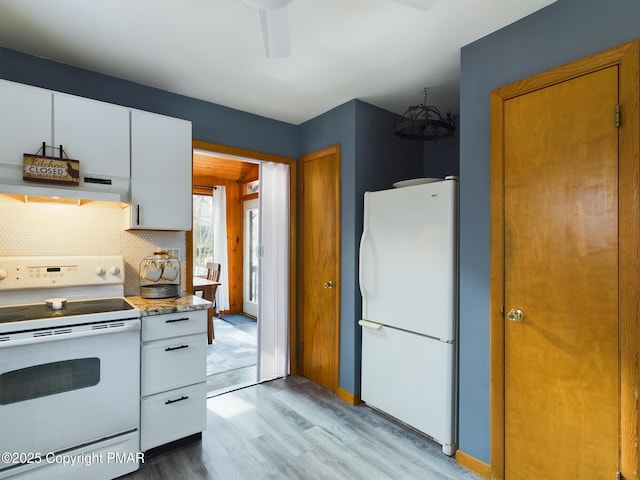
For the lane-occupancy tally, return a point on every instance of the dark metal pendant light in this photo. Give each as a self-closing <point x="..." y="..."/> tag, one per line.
<point x="424" y="122"/>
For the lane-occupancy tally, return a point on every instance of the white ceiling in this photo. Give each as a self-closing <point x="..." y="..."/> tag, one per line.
<point x="380" y="51"/>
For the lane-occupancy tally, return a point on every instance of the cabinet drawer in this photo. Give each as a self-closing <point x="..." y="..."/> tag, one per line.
<point x="173" y="363"/>
<point x="155" y="327"/>
<point x="173" y="415"/>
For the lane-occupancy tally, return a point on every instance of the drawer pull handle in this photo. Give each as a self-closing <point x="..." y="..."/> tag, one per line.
<point x="170" y="349"/>
<point x="172" y="320"/>
<point x="183" y="397"/>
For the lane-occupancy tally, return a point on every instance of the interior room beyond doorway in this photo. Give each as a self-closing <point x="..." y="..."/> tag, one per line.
<point x="221" y="188"/>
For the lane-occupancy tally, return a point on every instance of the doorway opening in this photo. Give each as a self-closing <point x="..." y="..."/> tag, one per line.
<point x="242" y="347"/>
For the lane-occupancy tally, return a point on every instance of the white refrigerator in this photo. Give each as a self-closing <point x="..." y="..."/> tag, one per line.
<point x="408" y="280"/>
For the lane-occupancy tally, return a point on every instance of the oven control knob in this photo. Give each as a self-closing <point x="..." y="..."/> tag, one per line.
<point x="3" y="274"/>
<point x="114" y="270"/>
<point x="100" y="270"/>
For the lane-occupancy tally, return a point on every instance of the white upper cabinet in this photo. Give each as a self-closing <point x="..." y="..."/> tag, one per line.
<point x="25" y="122"/>
<point x="160" y="172"/>
<point x="112" y="143"/>
<point x="95" y="133"/>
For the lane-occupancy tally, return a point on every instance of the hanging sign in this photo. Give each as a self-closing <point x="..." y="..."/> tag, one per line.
<point x="45" y="169"/>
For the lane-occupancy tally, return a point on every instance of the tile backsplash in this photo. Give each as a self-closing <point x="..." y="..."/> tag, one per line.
<point x="95" y="228"/>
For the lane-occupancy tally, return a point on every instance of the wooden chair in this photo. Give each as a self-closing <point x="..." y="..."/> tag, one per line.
<point x="209" y="293"/>
<point x="213" y="274"/>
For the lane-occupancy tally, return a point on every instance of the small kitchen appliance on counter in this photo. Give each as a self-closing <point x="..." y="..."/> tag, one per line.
<point x="69" y="368"/>
<point x="160" y="276"/>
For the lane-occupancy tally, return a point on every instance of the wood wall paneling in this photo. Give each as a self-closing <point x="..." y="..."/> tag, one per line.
<point x="209" y="170"/>
<point x="234" y="236"/>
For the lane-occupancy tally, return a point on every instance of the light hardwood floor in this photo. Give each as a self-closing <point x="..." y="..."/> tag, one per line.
<point x="232" y="358"/>
<point x="294" y="429"/>
<point x="224" y="382"/>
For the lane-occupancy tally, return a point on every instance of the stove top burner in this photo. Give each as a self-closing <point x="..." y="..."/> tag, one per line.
<point x="12" y="317"/>
<point x="80" y="307"/>
<point x="14" y="314"/>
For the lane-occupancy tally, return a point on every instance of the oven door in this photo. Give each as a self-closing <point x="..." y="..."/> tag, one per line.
<point x="68" y="387"/>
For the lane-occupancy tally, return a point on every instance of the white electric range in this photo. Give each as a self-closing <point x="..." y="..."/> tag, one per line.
<point x="69" y="369"/>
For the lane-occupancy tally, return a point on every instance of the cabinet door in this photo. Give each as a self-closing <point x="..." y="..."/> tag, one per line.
<point x="25" y="122"/>
<point x="95" y="133"/>
<point x="160" y="172"/>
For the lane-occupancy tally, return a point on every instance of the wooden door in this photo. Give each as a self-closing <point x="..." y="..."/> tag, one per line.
<point x="563" y="252"/>
<point x="561" y="270"/>
<point x="320" y="266"/>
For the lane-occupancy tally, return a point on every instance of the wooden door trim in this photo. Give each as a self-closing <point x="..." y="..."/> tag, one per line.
<point x="293" y="229"/>
<point x="627" y="58"/>
<point x="325" y="152"/>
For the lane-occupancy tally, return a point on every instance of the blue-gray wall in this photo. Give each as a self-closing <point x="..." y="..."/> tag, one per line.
<point x="442" y="158"/>
<point x="560" y="33"/>
<point x="371" y="158"/>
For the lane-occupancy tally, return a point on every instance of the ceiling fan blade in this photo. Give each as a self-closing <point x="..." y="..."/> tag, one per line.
<point x="275" y="31"/>
<point x="421" y="4"/>
<point x="267" y="4"/>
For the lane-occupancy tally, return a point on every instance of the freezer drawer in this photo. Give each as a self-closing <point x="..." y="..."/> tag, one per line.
<point x="412" y="378"/>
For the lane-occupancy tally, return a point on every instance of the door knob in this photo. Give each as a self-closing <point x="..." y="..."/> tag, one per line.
<point x="328" y="284"/>
<point x="515" y="315"/>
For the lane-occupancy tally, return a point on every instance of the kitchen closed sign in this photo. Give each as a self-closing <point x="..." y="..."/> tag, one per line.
<point x="40" y="168"/>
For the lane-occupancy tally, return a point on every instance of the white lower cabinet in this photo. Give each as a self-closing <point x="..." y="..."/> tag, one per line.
<point x="173" y="415"/>
<point x="173" y="380"/>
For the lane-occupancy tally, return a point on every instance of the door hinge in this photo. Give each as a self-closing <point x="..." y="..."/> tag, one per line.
<point x="618" y="115"/>
<point x="301" y="347"/>
<point x="302" y="186"/>
<point x="618" y="475"/>
<point x="502" y="309"/>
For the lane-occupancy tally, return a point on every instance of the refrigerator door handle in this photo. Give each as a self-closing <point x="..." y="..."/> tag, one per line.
<point x="361" y="260"/>
<point x="368" y="324"/>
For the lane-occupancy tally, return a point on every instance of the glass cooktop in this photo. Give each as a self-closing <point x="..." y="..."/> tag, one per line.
<point x="17" y="313"/>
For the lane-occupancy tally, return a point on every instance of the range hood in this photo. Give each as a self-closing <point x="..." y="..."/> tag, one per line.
<point x="101" y="188"/>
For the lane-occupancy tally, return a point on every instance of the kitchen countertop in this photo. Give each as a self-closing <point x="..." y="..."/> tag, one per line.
<point x="159" y="306"/>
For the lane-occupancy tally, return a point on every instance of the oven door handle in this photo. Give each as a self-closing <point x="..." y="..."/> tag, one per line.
<point x="56" y="337"/>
